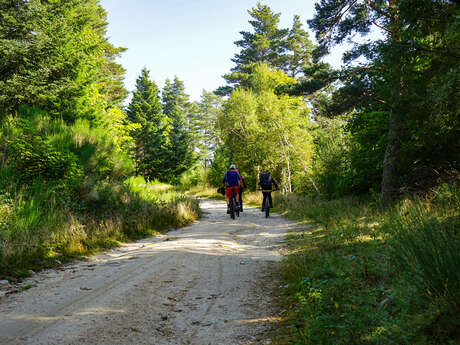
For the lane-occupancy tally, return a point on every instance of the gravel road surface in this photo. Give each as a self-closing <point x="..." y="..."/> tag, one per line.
<point x="209" y="283"/>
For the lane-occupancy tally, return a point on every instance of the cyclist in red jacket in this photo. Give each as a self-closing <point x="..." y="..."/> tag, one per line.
<point x="232" y="181"/>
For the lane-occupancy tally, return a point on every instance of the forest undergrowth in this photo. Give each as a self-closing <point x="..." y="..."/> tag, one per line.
<point x="362" y="273"/>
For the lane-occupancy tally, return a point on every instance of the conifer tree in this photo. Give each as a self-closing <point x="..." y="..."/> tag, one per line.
<point x="146" y="110"/>
<point x="57" y="53"/>
<point x="397" y="71"/>
<point x="289" y="50"/>
<point x="298" y="49"/>
<point x="202" y="123"/>
<point x="178" y="155"/>
<point x="265" y="44"/>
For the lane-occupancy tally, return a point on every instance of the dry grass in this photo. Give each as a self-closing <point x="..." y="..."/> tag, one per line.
<point x="38" y="229"/>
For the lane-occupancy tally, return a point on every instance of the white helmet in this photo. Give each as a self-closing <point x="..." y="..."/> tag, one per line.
<point x="232" y="166"/>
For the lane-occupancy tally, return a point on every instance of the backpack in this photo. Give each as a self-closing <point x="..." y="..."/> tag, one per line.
<point x="265" y="180"/>
<point x="232" y="178"/>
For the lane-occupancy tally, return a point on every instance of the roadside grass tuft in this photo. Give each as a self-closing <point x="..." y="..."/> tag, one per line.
<point x="41" y="226"/>
<point x="361" y="273"/>
<point x="205" y="192"/>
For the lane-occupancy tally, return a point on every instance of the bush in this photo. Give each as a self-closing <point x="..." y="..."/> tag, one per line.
<point x="34" y="158"/>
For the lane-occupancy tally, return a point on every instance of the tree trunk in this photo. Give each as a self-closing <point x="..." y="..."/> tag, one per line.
<point x="283" y="179"/>
<point x="389" y="160"/>
<point x="391" y="151"/>
<point x="289" y="183"/>
<point x="205" y="174"/>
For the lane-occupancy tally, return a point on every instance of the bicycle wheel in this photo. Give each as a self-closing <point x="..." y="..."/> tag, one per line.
<point x="267" y="207"/>
<point x="232" y="207"/>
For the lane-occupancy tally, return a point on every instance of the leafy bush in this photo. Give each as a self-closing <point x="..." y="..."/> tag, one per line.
<point x="34" y="158"/>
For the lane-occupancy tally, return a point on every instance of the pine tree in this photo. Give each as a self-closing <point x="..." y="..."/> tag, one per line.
<point x="398" y="71"/>
<point x="145" y="109"/>
<point x="289" y="50"/>
<point x="179" y="155"/>
<point x="265" y="44"/>
<point x="202" y="123"/>
<point x="57" y="52"/>
<point x="299" y="49"/>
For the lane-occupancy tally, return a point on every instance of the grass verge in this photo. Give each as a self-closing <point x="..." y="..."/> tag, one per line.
<point x="42" y="225"/>
<point x="362" y="273"/>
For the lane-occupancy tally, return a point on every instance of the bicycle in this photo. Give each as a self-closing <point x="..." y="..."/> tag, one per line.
<point x="266" y="202"/>
<point x="240" y="196"/>
<point x="234" y="208"/>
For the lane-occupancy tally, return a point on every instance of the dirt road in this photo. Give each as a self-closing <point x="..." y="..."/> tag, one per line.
<point x="207" y="283"/>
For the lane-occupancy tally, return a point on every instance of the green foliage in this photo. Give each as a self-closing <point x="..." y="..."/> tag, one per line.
<point x="38" y="146"/>
<point x="427" y="244"/>
<point x="266" y="43"/>
<point x="202" y="123"/>
<point x="55" y="51"/>
<point x="193" y="177"/>
<point x="32" y="156"/>
<point x="163" y="143"/>
<point x="287" y="50"/>
<point x="178" y="155"/>
<point x="220" y="163"/>
<point x="151" y="136"/>
<point x="361" y="273"/>
<point x="265" y="130"/>
<point x="40" y="224"/>
<point x="331" y="168"/>
<point x="402" y="91"/>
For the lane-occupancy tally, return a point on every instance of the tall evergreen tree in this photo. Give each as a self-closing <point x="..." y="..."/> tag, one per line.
<point x="390" y="80"/>
<point x="265" y="44"/>
<point x="179" y="155"/>
<point x="151" y="139"/>
<point x="289" y="50"/>
<point x="299" y="49"/>
<point x="57" y="52"/>
<point x="202" y="123"/>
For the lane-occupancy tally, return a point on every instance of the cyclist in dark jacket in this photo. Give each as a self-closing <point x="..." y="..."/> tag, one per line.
<point x="266" y="183"/>
<point x="232" y="181"/>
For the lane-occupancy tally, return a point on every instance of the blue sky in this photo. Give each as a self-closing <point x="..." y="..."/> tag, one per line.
<point x="192" y="39"/>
